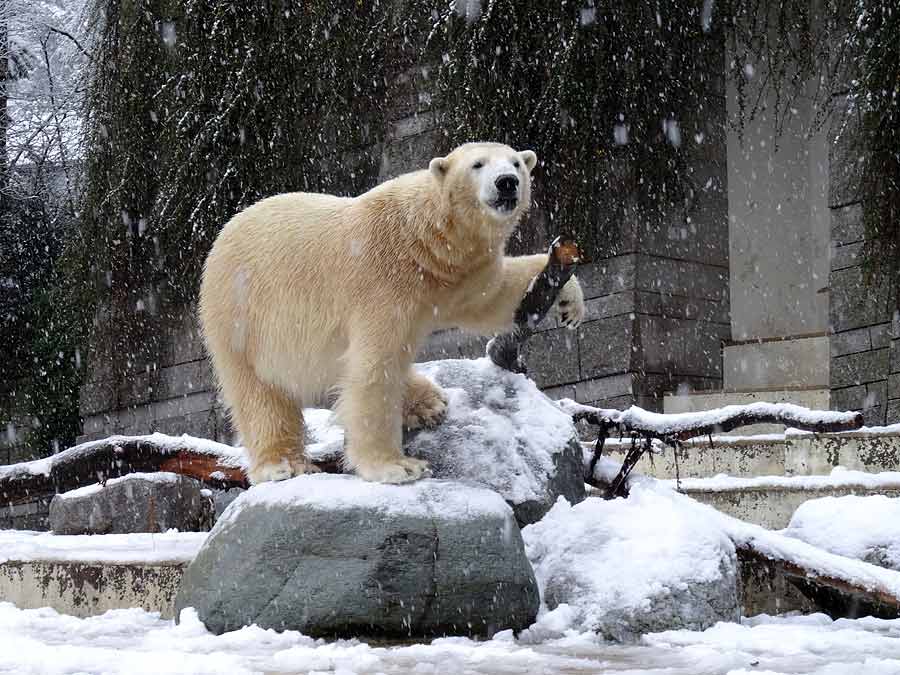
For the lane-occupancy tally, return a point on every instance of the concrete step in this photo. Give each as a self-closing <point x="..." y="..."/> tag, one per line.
<point x="86" y="575"/>
<point x="90" y="588"/>
<point x="770" y="502"/>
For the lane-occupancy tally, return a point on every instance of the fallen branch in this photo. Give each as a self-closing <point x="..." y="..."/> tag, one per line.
<point x="214" y="464"/>
<point x="682" y="426"/>
<point x="505" y="350"/>
<point x="672" y="429"/>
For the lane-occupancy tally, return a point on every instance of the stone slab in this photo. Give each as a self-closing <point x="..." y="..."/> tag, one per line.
<point x="605" y="346"/>
<point x="782" y="364"/>
<point x="860" y="368"/>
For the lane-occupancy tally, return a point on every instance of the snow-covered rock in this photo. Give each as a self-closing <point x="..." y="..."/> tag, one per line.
<point x="632" y="566"/>
<point x="866" y="528"/>
<point x="137" y="502"/>
<point x="335" y="555"/>
<point x="222" y="499"/>
<point x="501" y="432"/>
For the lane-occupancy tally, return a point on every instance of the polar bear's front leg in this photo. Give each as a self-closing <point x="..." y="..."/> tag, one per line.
<point x="370" y="408"/>
<point x="570" y="307"/>
<point x="424" y="403"/>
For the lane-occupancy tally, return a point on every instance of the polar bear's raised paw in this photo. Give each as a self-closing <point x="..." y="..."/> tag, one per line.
<point x="570" y="305"/>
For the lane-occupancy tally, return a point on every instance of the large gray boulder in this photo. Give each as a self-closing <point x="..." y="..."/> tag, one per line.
<point x="137" y="502"/>
<point x="501" y="432"/>
<point x="626" y="567"/>
<point x="333" y="555"/>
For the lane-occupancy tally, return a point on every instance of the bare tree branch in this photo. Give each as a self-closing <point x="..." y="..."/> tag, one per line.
<point x="672" y="429"/>
<point x="67" y="34"/>
<point x="682" y="426"/>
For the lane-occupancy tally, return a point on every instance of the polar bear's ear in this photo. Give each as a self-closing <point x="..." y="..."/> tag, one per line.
<point x="438" y="166"/>
<point x="529" y="158"/>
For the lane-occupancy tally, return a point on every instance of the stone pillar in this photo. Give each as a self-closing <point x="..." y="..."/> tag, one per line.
<point x="779" y="246"/>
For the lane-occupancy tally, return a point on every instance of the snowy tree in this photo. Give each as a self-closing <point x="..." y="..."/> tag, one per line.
<point x="39" y="328"/>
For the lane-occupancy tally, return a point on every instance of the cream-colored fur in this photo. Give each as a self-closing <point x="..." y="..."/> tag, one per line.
<point x="304" y="294"/>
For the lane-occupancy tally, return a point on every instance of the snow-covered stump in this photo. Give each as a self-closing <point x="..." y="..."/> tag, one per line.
<point x="626" y="567"/>
<point x="333" y="555"/>
<point x="501" y="432"/>
<point x="138" y="502"/>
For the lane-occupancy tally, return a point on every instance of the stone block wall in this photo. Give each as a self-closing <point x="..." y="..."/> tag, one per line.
<point x="175" y="395"/>
<point x="892" y="412"/>
<point x="657" y="308"/>
<point x="865" y="329"/>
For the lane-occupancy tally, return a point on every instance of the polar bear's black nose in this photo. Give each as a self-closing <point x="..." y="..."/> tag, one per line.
<point x="507" y="184"/>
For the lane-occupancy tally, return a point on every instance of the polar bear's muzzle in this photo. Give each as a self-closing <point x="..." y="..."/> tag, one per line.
<point x="507" y="186"/>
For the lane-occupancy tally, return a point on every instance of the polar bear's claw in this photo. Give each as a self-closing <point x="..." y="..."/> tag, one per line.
<point x="286" y="468"/>
<point x="428" y="412"/>
<point x="263" y="473"/>
<point x="570" y="306"/>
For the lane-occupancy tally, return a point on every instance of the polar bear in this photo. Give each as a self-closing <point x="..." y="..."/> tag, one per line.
<point x="308" y="294"/>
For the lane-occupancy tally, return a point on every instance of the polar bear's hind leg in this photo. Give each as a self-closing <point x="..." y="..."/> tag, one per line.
<point x="270" y="424"/>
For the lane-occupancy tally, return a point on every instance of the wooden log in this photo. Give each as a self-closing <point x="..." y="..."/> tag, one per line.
<point x="838" y="597"/>
<point x="505" y="350"/>
<point x="214" y="464"/>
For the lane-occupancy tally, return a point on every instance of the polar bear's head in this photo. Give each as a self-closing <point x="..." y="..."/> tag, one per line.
<point x="491" y="178"/>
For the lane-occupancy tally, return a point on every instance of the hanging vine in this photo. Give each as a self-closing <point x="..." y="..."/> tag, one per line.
<point x="198" y="108"/>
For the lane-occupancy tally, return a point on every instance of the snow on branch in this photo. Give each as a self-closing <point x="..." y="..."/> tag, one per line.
<point x="682" y="426"/>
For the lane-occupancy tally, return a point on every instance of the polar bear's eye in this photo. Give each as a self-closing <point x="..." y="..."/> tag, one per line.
<point x="516" y="164"/>
<point x="478" y="165"/>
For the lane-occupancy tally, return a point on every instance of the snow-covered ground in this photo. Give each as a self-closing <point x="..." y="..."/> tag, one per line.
<point x="40" y="641"/>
